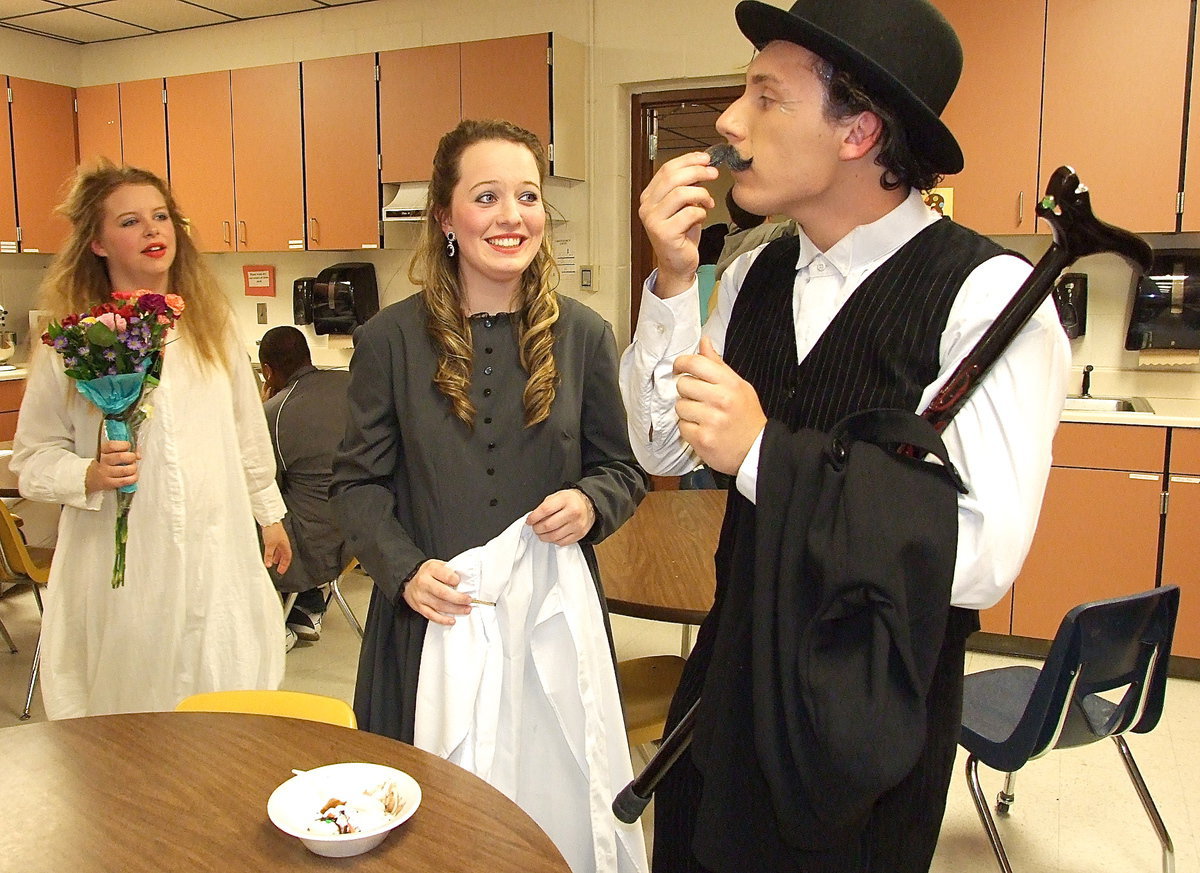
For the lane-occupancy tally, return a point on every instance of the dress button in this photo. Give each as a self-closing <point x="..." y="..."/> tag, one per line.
<point x="488" y="350"/>
<point x="493" y="502"/>
<point x="487" y="371"/>
<point x="487" y="392"/>
<point x="491" y="446"/>
<point x="487" y="322"/>
<point x="491" y="471"/>
<point x="661" y="328"/>
<point x="487" y="420"/>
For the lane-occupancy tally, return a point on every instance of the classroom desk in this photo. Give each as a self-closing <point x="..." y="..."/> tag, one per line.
<point x="659" y="564"/>
<point x="188" y="791"/>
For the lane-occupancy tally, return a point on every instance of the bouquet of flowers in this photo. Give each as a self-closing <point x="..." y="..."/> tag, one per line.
<point x="114" y="354"/>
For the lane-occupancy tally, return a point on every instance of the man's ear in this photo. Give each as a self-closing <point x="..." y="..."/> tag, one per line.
<point x="862" y="134"/>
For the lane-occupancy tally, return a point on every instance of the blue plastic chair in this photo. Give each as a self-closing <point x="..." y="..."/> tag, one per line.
<point x="1012" y="715"/>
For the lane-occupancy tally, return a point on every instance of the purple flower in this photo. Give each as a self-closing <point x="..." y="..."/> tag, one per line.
<point x="70" y="360"/>
<point x="109" y="355"/>
<point x="60" y="343"/>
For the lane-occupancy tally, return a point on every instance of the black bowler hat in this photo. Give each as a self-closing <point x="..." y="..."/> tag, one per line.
<point x="902" y="51"/>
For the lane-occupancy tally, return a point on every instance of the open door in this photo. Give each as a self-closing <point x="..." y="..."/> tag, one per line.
<point x="664" y="125"/>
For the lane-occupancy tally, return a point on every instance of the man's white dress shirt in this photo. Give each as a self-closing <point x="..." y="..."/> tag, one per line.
<point x="999" y="441"/>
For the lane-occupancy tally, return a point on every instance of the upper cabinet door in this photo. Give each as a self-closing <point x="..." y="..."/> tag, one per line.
<point x="1191" y="182"/>
<point x="8" y="194"/>
<point x="995" y="113"/>
<point x="44" y="158"/>
<point x="199" y="115"/>
<point x="1113" y="104"/>
<point x="98" y="120"/>
<point x="419" y="94"/>
<point x="144" y="126"/>
<point x="341" y="153"/>
<point x="509" y="78"/>
<point x="267" y="152"/>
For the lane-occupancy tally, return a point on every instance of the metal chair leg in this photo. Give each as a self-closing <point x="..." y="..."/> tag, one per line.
<point x="1005" y="798"/>
<point x="985" y="814"/>
<point x="1135" y="775"/>
<point x="336" y="588"/>
<point x="33" y="675"/>
<point x="12" y="647"/>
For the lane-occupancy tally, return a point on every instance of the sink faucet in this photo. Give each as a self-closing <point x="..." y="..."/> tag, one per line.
<point x="1087" y="381"/>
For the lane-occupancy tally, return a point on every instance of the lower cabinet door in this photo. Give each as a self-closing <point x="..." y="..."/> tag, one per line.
<point x="1097" y="537"/>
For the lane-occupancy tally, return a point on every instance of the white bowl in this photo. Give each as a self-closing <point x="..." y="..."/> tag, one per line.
<point x="296" y="804"/>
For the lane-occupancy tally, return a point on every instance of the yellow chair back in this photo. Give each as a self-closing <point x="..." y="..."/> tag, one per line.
<point x="290" y="704"/>
<point x="19" y="557"/>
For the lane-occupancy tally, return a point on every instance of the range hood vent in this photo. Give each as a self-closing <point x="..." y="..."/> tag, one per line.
<point x="407" y="203"/>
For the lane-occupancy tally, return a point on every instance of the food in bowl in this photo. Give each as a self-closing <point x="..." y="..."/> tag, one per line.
<point x="365" y="811"/>
<point x="375" y="799"/>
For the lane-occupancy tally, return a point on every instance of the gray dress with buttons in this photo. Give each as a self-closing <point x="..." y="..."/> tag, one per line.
<point x="412" y="482"/>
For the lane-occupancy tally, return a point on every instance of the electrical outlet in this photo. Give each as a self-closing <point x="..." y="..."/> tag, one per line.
<point x="262" y="313"/>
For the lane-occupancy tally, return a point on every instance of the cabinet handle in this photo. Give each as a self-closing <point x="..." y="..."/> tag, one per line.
<point x="1020" y="208"/>
<point x="225" y="228"/>
<point x="314" y="230"/>
<point x="241" y="232"/>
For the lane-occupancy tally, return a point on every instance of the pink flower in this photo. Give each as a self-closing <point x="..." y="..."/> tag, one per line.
<point x="162" y="319"/>
<point x="176" y="303"/>
<point x="113" y="321"/>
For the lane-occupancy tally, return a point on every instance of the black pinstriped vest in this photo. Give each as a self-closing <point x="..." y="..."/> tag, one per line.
<point x="881" y="349"/>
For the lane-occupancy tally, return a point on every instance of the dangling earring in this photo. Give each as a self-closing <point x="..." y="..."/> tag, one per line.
<point x="450" y="247"/>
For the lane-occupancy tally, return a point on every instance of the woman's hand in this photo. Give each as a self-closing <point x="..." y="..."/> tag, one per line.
<point x="563" y="518"/>
<point x="277" y="548"/>
<point x="115" y="466"/>
<point x="431" y="592"/>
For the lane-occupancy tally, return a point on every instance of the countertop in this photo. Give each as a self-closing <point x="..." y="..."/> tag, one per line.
<point x="19" y="372"/>
<point x="1168" y="412"/>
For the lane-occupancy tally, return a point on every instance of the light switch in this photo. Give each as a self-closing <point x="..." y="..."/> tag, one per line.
<point x="585" y="277"/>
<point x="262" y="313"/>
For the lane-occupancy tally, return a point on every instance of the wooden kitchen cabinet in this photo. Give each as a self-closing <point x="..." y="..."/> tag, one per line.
<point x="1181" y="544"/>
<point x="98" y="123"/>
<point x="44" y="159"/>
<point x="1115" y="76"/>
<point x="995" y="114"/>
<point x="1098" y="532"/>
<point x="341" y="153"/>
<point x="268" y="157"/>
<point x="11" y="392"/>
<point x="419" y="100"/>
<point x="543" y="91"/>
<point x="8" y="194"/>
<point x="144" y="125"/>
<point x="200" y="120"/>
<point x="1191" y="179"/>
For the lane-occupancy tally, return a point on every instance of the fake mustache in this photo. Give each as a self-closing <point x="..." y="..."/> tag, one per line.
<point x="728" y="155"/>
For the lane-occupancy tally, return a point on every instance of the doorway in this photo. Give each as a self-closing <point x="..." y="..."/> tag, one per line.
<point x="664" y="125"/>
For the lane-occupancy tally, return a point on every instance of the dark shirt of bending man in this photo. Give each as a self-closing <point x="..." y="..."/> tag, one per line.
<point x="306" y="412"/>
<point x="872" y="303"/>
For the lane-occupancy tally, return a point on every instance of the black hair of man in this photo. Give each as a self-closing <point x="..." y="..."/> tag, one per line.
<point x="285" y="350"/>
<point x="742" y="219"/>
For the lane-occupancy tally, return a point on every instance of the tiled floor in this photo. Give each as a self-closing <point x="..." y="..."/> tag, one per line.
<point x="1075" y="811"/>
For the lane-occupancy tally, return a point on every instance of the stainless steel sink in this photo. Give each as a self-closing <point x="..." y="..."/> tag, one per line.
<point x="1076" y="403"/>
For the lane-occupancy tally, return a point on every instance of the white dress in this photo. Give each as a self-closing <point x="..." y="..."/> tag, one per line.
<point x="198" y="611"/>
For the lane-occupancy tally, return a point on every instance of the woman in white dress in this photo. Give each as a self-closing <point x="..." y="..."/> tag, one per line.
<point x="197" y="611"/>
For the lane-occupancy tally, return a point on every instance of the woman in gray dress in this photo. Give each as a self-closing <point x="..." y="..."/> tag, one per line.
<point x="481" y="399"/>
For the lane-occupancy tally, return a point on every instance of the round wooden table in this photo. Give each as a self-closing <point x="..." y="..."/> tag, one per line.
<point x="659" y="564"/>
<point x="188" y="791"/>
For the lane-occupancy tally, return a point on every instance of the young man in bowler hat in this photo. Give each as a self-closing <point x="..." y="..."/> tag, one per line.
<point x="873" y="304"/>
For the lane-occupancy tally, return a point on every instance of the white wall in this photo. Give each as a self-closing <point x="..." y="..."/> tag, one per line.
<point x="635" y="46"/>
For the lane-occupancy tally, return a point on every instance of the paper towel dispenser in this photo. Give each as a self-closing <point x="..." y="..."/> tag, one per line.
<point x="344" y="296"/>
<point x="1166" y="304"/>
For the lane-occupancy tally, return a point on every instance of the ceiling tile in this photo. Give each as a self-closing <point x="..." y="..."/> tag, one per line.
<point x="75" y="24"/>
<point x="24" y="7"/>
<point x="160" y="15"/>
<point x="257" y="8"/>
